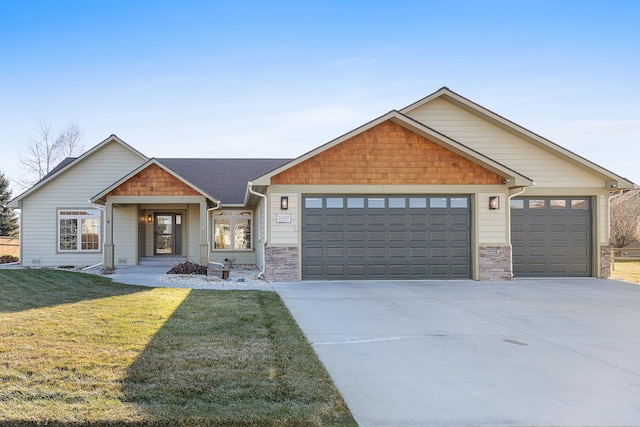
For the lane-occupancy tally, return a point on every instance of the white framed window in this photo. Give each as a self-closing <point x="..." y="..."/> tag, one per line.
<point x="232" y="230"/>
<point x="79" y="230"/>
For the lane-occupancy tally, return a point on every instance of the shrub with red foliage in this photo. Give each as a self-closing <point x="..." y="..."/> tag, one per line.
<point x="188" y="267"/>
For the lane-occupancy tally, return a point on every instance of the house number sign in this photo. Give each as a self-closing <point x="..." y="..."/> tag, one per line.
<point x="280" y="218"/>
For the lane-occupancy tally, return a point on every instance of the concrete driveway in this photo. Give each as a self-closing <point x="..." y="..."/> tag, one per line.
<point x="461" y="353"/>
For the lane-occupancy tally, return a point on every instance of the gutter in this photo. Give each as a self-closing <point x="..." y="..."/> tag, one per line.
<point x="219" y="205"/>
<point x="266" y="229"/>
<point x="511" y="196"/>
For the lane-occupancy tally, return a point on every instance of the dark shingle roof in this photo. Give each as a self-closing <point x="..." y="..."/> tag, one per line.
<point x="59" y="166"/>
<point x="224" y="179"/>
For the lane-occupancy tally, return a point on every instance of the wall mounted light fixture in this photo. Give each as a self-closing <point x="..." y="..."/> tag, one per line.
<point x="149" y="218"/>
<point x="494" y="203"/>
<point x="284" y="203"/>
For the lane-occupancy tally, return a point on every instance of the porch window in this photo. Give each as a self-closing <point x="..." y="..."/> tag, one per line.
<point x="79" y="230"/>
<point x="232" y="230"/>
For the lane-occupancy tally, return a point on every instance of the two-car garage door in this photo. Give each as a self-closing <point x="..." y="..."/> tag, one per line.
<point x="386" y="237"/>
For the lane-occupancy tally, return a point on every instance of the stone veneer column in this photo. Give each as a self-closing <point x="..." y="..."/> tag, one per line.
<point x="605" y="261"/>
<point x="281" y="264"/>
<point x="495" y="263"/>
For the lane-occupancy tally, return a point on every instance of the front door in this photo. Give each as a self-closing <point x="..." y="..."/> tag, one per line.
<point x="167" y="234"/>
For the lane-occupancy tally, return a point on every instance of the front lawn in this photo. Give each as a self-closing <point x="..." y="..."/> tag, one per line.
<point x="626" y="270"/>
<point x="77" y="349"/>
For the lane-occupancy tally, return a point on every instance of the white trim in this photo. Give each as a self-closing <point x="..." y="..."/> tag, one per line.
<point x="75" y="213"/>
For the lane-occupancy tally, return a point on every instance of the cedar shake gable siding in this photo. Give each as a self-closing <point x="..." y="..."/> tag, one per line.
<point x="387" y="154"/>
<point x="153" y="181"/>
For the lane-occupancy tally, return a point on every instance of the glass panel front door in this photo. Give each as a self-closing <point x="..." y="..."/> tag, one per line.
<point x="164" y="234"/>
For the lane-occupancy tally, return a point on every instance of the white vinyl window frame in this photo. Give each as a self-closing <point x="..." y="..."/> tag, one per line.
<point x="232" y="231"/>
<point x="79" y="230"/>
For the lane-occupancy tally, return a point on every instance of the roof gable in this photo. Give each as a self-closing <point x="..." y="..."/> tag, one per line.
<point x="520" y="132"/>
<point x="151" y="179"/>
<point x="70" y="162"/>
<point x="511" y="177"/>
<point x="387" y="153"/>
<point x="219" y="180"/>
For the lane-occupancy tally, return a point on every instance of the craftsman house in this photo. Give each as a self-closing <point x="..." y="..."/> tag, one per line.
<point x="441" y="189"/>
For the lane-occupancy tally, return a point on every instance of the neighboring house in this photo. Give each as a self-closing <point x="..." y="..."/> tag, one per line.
<point x="442" y="189"/>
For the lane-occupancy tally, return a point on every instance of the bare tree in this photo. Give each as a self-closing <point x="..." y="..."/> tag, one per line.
<point x="69" y="141"/>
<point x="47" y="150"/>
<point x="43" y="152"/>
<point x="625" y="218"/>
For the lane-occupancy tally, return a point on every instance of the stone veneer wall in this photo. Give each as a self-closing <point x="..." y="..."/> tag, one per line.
<point x="495" y="263"/>
<point x="605" y="261"/>
<point x="281" y="264"/>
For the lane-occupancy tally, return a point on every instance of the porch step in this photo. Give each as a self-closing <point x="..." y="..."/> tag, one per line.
<point x="161" y="261"/>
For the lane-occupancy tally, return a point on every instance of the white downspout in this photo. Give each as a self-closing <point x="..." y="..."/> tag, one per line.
<point x="266" y="229"/>
<point x="209" y="235"/>
<point x="511" y="196"/>
<point x="104" y="231"/>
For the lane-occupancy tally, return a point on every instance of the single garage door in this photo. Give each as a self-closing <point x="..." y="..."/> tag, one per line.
<point x="551" y="236"/>
<point x="386" y="237"/>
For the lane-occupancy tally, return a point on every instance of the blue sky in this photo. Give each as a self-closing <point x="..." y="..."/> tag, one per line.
<point x="276" y="79"/>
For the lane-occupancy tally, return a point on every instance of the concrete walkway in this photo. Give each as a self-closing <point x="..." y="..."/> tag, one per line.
<point x="523" y="353"/>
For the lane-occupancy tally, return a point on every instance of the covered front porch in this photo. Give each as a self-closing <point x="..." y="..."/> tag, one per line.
<point x="138" y="228"/>
<point x="155" y="213"/>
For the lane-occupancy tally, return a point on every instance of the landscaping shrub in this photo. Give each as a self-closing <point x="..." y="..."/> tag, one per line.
<point x="188" y="267"/>
<point x="5" y="259"/>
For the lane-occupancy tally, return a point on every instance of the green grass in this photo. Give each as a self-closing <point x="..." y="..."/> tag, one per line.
<point x="626" y="270"/>
<point x="77" y="349"/>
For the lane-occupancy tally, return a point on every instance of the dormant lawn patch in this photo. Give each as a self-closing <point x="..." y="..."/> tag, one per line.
<point x="628" y="271"/>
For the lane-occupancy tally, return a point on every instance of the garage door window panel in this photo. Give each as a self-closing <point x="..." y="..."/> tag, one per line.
<point x="375" y="203"/>
<point x="397" y="202"/>
<point x="516" y="204"/>
<point x="536" y="204"/>
<point x="459" y="203"/>
<point x="438" y="202"/>
<point x="335" y="203"/>
<point x="355" y="203"/>
<point x="313" y="203"/>
<point x="418" y="202"/>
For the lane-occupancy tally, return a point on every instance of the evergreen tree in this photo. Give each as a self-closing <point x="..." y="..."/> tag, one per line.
<point x="8" y="219"/>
